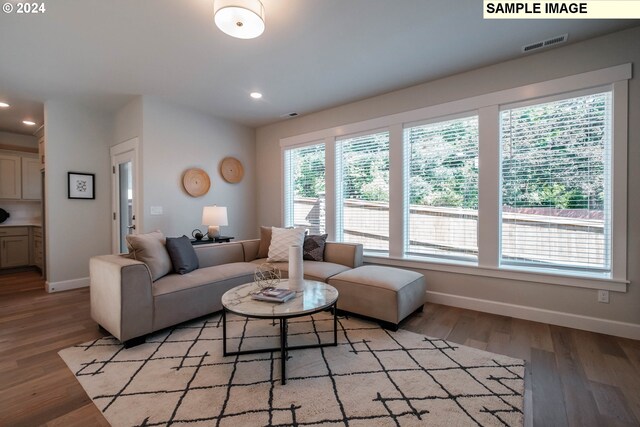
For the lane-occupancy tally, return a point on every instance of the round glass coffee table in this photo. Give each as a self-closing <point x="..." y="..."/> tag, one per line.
<point x="311" y="298"/>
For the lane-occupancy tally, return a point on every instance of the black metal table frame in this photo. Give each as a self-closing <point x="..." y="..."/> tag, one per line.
<point x="284" y="348"/>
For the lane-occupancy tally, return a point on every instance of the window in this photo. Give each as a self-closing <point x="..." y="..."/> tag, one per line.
<point x="305" y="188"/>
<point x="528" y="183"/>
<point x="441" y="185"/>
<point x="556" y="209"/>
<point x="362" y="166"/>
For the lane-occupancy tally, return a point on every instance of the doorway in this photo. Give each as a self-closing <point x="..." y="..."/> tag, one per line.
<point x="124" y="167"/>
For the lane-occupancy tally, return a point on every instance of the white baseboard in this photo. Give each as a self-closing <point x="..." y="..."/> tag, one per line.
<point x="576" y="321"/>
<point x="67" y="285"/>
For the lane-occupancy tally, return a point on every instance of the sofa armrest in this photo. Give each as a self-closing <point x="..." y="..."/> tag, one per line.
<point x="349" y="254"/>
<point x="121" y="298"/>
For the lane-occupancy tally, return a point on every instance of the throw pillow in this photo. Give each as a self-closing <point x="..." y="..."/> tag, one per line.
<point x="183" y="256"/>
<point x="150" y="249"/>
<point x="313" y="249"/>
<point x="281" y="239"/>
<point x="265" y="242"/>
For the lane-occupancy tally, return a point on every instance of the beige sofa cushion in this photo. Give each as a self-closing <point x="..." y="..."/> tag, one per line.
<point x="219" y="253"/>
<point x="265" y="242"/>
<point x="203" y="276"/>
<point x="313" y="270"/>
<point x="384" y="293"/>
<point x="150" y="249"/>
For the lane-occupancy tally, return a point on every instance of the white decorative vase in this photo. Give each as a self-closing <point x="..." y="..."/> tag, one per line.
<point x="296" y="275"/>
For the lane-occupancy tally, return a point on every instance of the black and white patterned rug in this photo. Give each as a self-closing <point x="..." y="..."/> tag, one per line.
<point x="372" y="378"/>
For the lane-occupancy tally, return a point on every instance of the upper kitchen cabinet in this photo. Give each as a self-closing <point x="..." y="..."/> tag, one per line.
<point x="20" y="177"/>
<point x="31" y="181"/>
<point x="10" y="176"/>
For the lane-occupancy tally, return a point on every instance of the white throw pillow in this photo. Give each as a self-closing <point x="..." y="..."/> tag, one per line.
<point x="281" y="239"/>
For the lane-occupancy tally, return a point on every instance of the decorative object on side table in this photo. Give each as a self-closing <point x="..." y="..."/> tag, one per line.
<point x="81" y="185"/>
<point x="267" y="275"/>
<point x="196" y="182"/>
<point x="214" y="217"/>
<point x="295" y="267"/>
<point x="197" y="234"/>
<point x="231" y="170"/>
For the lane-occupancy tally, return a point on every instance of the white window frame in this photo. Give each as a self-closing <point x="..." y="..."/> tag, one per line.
<point x="459" y="259"/>
<point x="338" y="192"/>
<point x="488" y="107"/>
<point x="287" y="205"/>
<point x="609" y="167"/>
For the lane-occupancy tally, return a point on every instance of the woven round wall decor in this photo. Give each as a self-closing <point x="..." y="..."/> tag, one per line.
<point x="196" y="182"/>
<point x="231" y="170"/>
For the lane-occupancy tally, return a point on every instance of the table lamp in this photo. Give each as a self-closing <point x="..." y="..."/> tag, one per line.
<point x="214" y="217"/>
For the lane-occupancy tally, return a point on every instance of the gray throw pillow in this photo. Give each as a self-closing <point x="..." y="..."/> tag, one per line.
<point x="313" y="249"/>
<point x="183" y="256"/>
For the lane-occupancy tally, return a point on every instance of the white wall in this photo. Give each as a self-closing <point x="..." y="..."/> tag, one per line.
<point x="18" y="140"/>
<point x="77" y="140"/>
<point x="175" y="138"/>
<point x="172" y="138"/>
<point x="606" y="51"/>
<point x="128" y="122"/>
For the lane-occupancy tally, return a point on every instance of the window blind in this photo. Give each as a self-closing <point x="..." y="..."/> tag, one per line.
<point x="556" y="206"/>
<point x="441" y="183"/>
<point x="305" y="188"/>
<point x="362" y="168"/>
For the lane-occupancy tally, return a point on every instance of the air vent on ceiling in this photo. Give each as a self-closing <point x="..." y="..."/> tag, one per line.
<point x="545" y="43"/>
<point x="289" y="115"/>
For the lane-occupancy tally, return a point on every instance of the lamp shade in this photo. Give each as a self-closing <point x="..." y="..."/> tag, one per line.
<point x="214" y="215"/>
<point x="243" y="19"/>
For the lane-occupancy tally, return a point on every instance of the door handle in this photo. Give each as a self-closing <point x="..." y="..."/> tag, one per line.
<point x="132" y="227"/>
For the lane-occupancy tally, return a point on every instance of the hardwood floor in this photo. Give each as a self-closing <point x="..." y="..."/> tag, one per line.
<point x="575" y="378"/>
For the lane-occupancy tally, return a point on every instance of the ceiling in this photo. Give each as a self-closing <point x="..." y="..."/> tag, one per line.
<point x="313" y="54"/>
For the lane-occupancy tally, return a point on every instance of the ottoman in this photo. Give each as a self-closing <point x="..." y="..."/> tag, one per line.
<point x="385" y="294"/>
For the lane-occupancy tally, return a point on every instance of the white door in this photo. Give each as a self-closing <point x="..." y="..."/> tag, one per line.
<point x="124" y="166"/>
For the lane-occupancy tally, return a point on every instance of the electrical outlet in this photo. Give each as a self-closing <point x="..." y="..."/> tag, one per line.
<point x="603" y="296"/>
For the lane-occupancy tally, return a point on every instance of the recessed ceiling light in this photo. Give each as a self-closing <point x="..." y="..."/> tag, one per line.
<point x="4" y="105"/>
<point x="29" y="123"/>
<point x="255" y="95"/>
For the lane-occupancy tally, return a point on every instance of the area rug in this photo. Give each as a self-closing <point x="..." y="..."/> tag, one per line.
<point x="372" y="378"/>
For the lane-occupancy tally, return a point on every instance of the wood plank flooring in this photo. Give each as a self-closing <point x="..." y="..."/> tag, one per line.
<point x="575" y="378"/>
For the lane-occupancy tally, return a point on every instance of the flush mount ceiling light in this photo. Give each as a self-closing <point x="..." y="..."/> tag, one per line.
<point x="243" y="19"/>
<point x="4" y="105"/>
<point x="29" y="123"/>
<point x="255" y="95"/>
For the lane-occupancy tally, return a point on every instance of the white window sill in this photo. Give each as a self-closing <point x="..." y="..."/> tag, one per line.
<point x="505" y="272"/>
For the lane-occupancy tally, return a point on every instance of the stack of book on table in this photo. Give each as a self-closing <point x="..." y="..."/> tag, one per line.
<point x="274" y="294"/>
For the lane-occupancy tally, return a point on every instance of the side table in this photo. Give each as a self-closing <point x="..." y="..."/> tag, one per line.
<point x="220" y="239"/>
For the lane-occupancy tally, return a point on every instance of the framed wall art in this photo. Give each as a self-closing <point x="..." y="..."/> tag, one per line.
<point x="81" y="185"/>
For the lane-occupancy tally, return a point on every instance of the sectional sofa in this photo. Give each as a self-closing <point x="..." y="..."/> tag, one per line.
<point x="127" y="303"/>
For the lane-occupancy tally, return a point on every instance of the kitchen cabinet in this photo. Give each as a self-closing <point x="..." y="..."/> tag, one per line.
<point x="38" y="248"/>
<point x="31" y="182"/>
<point x="10" y="176"/>
<point x="14" y="247"/>
<point x="20" y="177"/>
